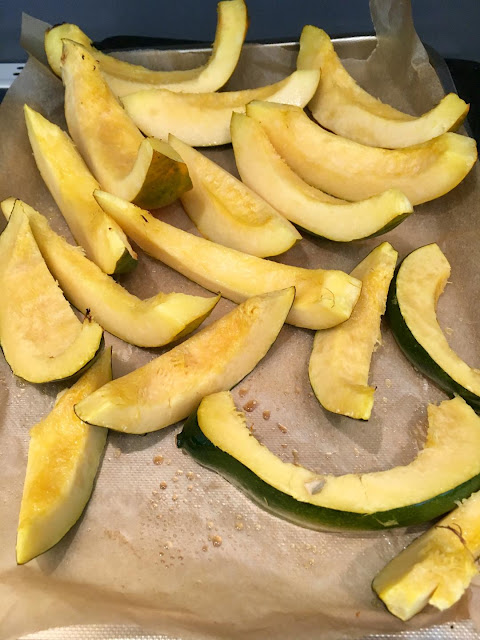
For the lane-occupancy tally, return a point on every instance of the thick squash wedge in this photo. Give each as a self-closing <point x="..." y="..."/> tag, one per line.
<point x="437" y="567"/>
<point x="226" y="211"/>
<point x="40" y="336"/>
<point x="63" y="458"/>
<point x="145" y="171"/>
<point x="263" y="170"/>
<point x="170" y="387"/>
<point x="146" y="323"/>
<point x="203" y="119"/>
<point x="446" y="471"/>
<point x="72" y="185"/>
<point x="323" y="298"/>
<point x="352" y="171"/>
<point x="125" y="78"/>
<point x="343" y="107"/>
<point x="340" y="360"/>
<point x="411" y="311"/>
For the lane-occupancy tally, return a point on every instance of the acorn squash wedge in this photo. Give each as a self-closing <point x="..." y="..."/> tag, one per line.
<point x="263" y="170"/>
<point x="40" y="335"/>
<point x="226" y="211"/>
<point x="411" y="311"/>
<point x="340" y="360"/>
<point x="171" y="386"/>
<point x="343" y="107"/>
<point x="352" y="171"/>
<point x="63" y="458"/>
<point x="72" y="185"/>
<point x="203" y="119"/>
<point x="146" y="323"/>
<point x="143" y="170"/>
<point x="445" y="471"/>
<point x="437" y="567"/>
<point x="323" y="298"/>
<point x="124" y="77"/>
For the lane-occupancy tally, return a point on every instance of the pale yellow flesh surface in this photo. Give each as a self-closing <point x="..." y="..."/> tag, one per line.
<point x="264" y="170"/>
<point x="231" y="30"/>
<point x="340" y="360"/>
<point x="437" y="567"/>
<point x="453" y="434"/>
<point x="41" y="337"/>
<point x="226" y="211"/>
<point x="63" y="458"/>
<point x="72" y="185"/>
<point x="170" y="387"/>
<point x="203" y="119"/>
<point x="146" y="323"/>
<point x="420" y="282"/>
<point x="125" y="78"/>
<point x="323" y="298"/>
<point x="352" y="171"/>
<point x="343" y="107"/>
<point x="117" y="154"/>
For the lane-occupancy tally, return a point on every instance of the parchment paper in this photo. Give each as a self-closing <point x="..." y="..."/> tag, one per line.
<point x="146" y="555"/>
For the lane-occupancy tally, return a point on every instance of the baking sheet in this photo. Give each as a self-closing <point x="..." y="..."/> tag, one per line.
<point x="145" y="555"/>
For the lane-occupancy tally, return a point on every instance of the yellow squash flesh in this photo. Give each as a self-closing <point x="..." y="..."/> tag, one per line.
<point x="72" y="185"/>
<point x="170" y="387"/>
<point x="63" y="458"/>
<point x="323" y="298"/>
<point x="343" y="107"/>
<point x="226" y="211"/>
<point x="263" y="170"/>
<point x="41" y="337"/>
<point x="146" y="323"/>
<point x="145" y="171"/>
<point x="203" y="119"/>
<point x="453" y="433"/>
<point x="340" y="360"/>
<point x="437" y="567"/>
<point x="125" y="78"/>
<point x="352" y="171"/>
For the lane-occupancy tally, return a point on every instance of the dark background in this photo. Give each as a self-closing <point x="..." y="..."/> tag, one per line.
<point x="450" y="26"/>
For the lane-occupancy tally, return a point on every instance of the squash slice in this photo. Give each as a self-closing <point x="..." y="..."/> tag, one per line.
<point x="352" y="171"/>
<point x="146" y="323"/>
<point x="323" y="298"/>
<point x="226" y="211"/>
<point x="340" y="360"/>
<point x="203" y="119"/>
<point x="170" y="387"/>
<point x="63" y="458"/>
<point x="343" y="107"/>
<point x="437" y="567"/>
<point x="447" y="470"/>
<point x="40" y="336"/>
<point x="125" y="78"/>
<point x="145" y="171"/>
<point x="411" y="311"/>
<point x="72" y="185"/>
<point x="263" y="170"/>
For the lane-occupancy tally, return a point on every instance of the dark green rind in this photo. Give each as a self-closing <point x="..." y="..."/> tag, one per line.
<point x="418" y="356"/>
<point x="388" y="227"/>
<point x="192" y="440"/>
<point x="74" y="376"/>
<point x="125" y="263"/>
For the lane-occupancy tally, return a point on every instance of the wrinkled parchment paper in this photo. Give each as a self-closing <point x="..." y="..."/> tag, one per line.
<point x="151" y="556"/>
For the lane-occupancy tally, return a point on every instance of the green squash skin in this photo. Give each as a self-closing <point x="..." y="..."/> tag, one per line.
<point x="125" y="264"/>
<point x="388" y="227"/>
<point x="417" y="355"/>
<point x="193" y="440"/>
